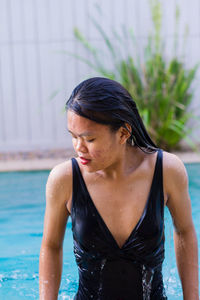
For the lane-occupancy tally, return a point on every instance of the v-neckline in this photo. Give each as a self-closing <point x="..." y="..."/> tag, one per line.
<point x="101" y="218"/>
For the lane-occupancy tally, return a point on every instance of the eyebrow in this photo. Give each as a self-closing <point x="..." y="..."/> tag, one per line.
<point x="85" y="133"/>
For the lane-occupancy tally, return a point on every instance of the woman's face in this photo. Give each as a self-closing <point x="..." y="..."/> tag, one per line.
<point x="96" y="145"/>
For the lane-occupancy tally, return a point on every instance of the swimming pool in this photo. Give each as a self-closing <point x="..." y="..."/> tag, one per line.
<point x="22" y="200"/>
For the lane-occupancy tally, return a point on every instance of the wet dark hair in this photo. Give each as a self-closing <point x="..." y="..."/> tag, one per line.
<point x="107" y="102"/>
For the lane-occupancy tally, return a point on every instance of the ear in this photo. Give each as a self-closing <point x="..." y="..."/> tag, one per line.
<point x="124" y="133"/>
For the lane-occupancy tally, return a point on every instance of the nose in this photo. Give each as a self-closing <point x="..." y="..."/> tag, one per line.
<point x="79" y="146"/>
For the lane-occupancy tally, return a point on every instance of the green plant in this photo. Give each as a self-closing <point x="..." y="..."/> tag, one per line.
<point x="161" y="89"/>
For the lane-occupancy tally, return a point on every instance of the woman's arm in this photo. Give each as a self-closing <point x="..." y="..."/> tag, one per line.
<point x="50" y="272"/>
<point x="58" y="192"/>
<point x="187" y="262"/>
<point x="185" y="239"/>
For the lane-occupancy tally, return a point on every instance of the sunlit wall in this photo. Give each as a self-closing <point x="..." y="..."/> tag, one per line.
<point x="36" y="76"/>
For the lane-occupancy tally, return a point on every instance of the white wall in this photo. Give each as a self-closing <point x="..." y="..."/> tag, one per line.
<point x="33" y="33"/>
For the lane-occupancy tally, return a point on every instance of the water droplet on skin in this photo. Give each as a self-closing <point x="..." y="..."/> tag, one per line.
<point x="45" y="281"/>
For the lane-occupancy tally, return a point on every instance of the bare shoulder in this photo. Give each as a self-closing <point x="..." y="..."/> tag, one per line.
<point x="174" y="172"/>
<point x="61" y="171"/>
<point x="173" y="165"/>
<point x="176" y="184"/>
<point x="59" y="182"/>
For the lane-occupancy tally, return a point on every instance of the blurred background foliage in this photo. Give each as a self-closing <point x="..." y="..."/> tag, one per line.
<point x="162" y="89"/>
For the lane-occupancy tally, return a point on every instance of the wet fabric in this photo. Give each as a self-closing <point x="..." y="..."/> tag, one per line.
<point x="106" y="271"/>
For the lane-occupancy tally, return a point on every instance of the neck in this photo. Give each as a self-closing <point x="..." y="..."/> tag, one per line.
<point x="128" y="160"/>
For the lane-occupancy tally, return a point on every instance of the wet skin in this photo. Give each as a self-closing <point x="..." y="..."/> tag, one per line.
<point x="115" y="172"/>
<point x="113" y="175"/>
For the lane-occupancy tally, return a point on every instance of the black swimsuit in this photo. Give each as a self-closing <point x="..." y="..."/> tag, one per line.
<point x="106" y="271"/>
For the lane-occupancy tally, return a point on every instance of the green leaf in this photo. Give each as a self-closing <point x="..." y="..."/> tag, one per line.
<point x="161" y="88"/>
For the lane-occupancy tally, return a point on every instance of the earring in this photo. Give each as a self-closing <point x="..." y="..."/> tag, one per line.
<point x="132" y="142"/>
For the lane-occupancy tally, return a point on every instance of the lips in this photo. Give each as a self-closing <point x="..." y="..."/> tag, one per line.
<point x="84" y="160"/>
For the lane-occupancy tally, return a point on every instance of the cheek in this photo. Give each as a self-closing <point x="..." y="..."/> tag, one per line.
<point x="105" y="151"/>
<point x="97" y="153"/>
<point x="104" y="148"/>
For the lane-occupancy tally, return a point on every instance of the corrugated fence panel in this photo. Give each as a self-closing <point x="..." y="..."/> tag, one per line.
<point x="37" y="74"/>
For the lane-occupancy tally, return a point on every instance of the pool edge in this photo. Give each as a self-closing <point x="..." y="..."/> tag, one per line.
<point x="49" y="163"/>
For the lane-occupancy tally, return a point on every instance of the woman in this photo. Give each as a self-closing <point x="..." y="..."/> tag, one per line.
<point x="115" y="192"/>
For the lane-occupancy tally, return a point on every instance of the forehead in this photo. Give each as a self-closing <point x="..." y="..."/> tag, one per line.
<point x="79" y="124"/>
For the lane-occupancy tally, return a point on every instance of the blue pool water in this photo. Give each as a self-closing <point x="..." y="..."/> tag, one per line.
<point x="22" y="200"/>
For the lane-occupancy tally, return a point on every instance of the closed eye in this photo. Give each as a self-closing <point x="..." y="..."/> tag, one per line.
<point x="90" y="141"/>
